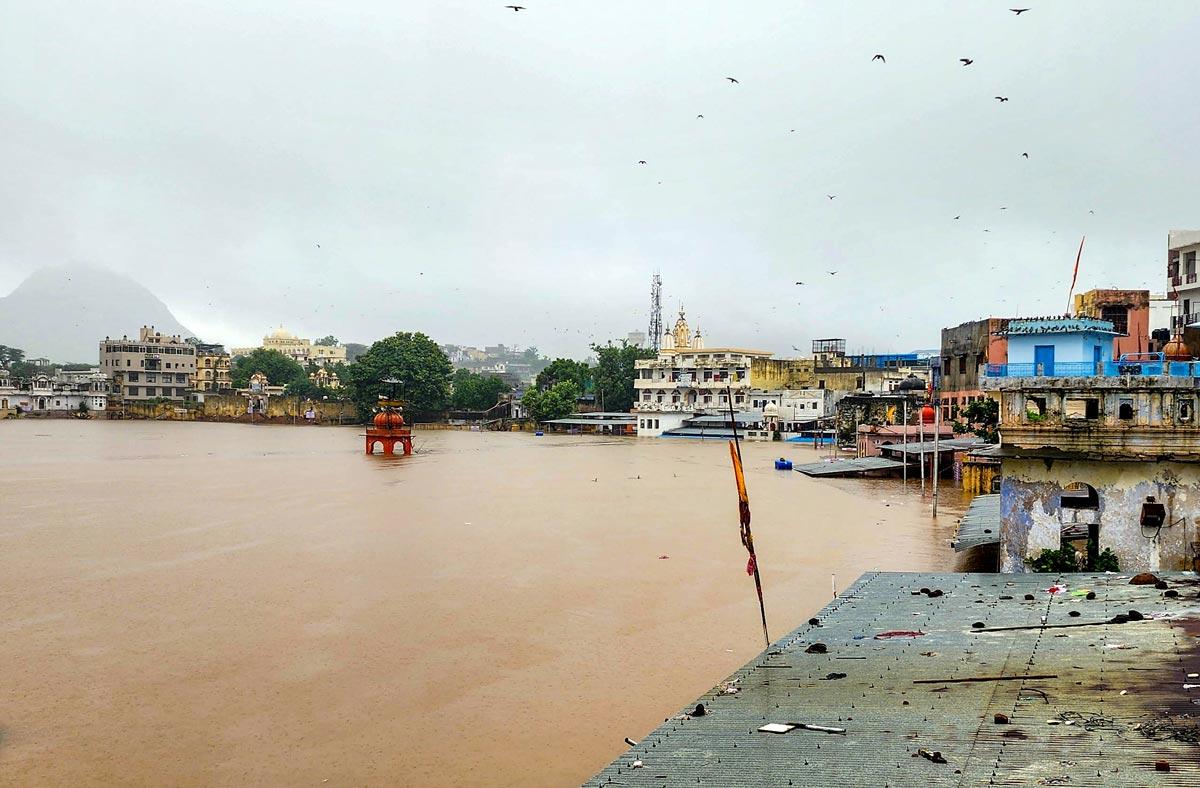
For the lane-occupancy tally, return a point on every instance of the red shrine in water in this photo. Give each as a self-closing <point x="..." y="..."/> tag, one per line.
<point x="388" y="426"/>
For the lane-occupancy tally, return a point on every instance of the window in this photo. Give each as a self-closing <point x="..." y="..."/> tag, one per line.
<point x="1118" y="316"/>
<point x="1125" y="410"/>
<point x="946" y="365"/>
<point x="962" y="364"/>
<point x="1081" y="408"/>
<point x="1078" y="495"/>
<point x="1186" y="408"/>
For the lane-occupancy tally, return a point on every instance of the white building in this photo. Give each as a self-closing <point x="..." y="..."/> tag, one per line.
<point x="46" y="395"/>
<point x="794" y="410"/>
<point x="154" y="365"/>
<point x="687" y="378"/>
<point x="1183" y="247"/>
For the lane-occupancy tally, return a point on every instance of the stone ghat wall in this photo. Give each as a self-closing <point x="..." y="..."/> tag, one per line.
<point x="280" y="410"/>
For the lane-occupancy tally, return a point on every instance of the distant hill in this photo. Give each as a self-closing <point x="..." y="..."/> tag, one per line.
<point x="62" y="313"/>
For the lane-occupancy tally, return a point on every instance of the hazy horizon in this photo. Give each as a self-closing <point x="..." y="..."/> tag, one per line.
<point x="473" y="173"/>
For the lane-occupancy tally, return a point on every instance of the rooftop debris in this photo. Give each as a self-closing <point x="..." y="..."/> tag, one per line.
<point x="1025" y="701"/>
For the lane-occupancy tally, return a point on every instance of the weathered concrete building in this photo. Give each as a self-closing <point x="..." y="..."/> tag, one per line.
<point x="1108" y="461"/>
<point x="1127" y="310"/>
<point x="153" y="366"/>
<point x="966" y="351"/>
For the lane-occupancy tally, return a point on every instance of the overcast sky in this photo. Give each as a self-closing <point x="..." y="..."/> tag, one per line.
<point x="472" y="172"/>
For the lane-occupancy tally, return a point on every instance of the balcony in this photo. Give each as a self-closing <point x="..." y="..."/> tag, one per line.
<point x="1191" y="278"/>
<point x="1176" y="280"/>
<point x="1182" y="321"/>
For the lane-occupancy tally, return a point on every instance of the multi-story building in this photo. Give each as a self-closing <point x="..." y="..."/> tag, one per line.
<point x="64" y="394"/>
<point x="1183" y="246"/>
<point x="686" y="378"/>
<point x="212" y="368"/>
<point x="1127" y="310"/>
<point x="966" y="351"/>
<point x="1099" y="455"/>
<point x="152" y="366"/>
<point x="302" y="350"/>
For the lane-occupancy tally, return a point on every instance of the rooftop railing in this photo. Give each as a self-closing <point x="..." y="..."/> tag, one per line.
<point x="1128" y="364"/>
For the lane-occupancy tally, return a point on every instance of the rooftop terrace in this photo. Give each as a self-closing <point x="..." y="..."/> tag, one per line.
<point x="953" y="679"/>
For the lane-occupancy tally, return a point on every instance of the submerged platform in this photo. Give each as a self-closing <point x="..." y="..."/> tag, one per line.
<point x="952" y="680"/>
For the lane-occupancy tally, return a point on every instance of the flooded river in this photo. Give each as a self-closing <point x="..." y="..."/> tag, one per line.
<point x="216" y="604"/>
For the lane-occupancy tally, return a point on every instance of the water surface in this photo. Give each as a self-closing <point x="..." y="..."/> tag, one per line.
<point x="198" y="604"/>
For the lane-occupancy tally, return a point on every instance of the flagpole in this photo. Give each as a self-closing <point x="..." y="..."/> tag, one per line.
<point x="735" y="450"/>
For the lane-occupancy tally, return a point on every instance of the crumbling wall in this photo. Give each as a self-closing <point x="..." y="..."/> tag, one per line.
<point x="1031" y="517"/>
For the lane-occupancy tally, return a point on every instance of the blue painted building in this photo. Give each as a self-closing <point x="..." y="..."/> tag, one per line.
<point x="1058" y="346"/>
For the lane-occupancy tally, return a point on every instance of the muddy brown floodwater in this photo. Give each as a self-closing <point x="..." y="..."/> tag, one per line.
<point x="213" y="604"/>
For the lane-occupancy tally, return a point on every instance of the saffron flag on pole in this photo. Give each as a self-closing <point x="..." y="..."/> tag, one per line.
<point x="1075" y="274"/>
<point x="747" y="537"/>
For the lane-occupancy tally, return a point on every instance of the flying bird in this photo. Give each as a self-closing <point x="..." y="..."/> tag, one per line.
<point x="831" y="196"/>
<point x="1025" y="155"/>
<point x="831" y="273"/>
<point x="699" y="116"/>
<point x="1018" y="11"/>
<point x="879" y="57"/>
<point x="966" y="61"/>
<point x="643" y="161"/>
<point x="956" y="218"/>
<point x="799" y="283"/>
<point x="516" y="7"/>
<point x="1001" y="99"/>
<point x="734" y="81"/>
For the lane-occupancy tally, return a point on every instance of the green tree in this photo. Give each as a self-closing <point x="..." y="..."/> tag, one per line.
<point x="415" y="360"/>
<point x="473" y="391"/>
<point x="560" y="369"/>
<point x="614" y="372"/>
<point x="555" y="402"/>
<point x="280" y="370"/>
<point x="305" y="389"/>
<point x="10" y="355"/>
<point x="984" y="416"/>
<point x="327" y="341"/>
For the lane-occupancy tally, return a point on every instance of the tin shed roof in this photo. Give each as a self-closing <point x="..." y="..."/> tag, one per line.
<point x="953" y="680"/>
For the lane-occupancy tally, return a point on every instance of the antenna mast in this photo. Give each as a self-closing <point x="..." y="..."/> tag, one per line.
<point x="656" y="328"/>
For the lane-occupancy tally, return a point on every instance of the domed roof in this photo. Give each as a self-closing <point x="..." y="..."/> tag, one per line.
<point x="771" y="409"/>
<point x="282" y="333"/>
<point x="911" y="383"/>
<point x="1176" y="350"/>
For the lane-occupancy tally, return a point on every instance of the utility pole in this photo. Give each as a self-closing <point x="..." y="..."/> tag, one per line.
<point x="937" y="433"/>
<point x="656" y="328"/>
<point x="905" y="440"/>
<point x="921" y="430"/>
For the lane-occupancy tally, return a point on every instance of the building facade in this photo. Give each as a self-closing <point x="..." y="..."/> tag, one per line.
<point x="967" y="349"/>
<point x="1109" y="461"/>
<point x="302" y="350"/>
<point x="1183" y="285"/>
<point x="687" y="378"/>
<point x="152" y="366"/>
<point x="212" y="369"/>
<point x="1129" y="313"/>
<point x="65" y="394"/>
<point x="1059" y="346"/>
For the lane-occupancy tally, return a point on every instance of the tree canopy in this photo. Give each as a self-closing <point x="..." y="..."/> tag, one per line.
<point x="613" y="374"/>
<point x="10" y="355"/>
<point x="280" y="370"/>
<point x="327" y="341"/>
<point x="553" y="403"/>
<point x="412" y="358"/>
<point x="473" y="391"/>
<point x="560" y="369"/>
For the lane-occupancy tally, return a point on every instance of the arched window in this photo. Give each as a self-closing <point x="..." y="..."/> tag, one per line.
<point x="1125" y="411"/>
<point x="1078" y="495"/>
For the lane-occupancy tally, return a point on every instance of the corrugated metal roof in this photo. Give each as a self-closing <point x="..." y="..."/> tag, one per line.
<point x="981" y="523"/>
<point x="848" y="466"/>
<point x="901" y="695"/>
<point x="621" y="421"/>
<point x="950" y="444"/>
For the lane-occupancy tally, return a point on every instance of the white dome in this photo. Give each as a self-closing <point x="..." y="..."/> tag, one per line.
<point x="771" y="409"/>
